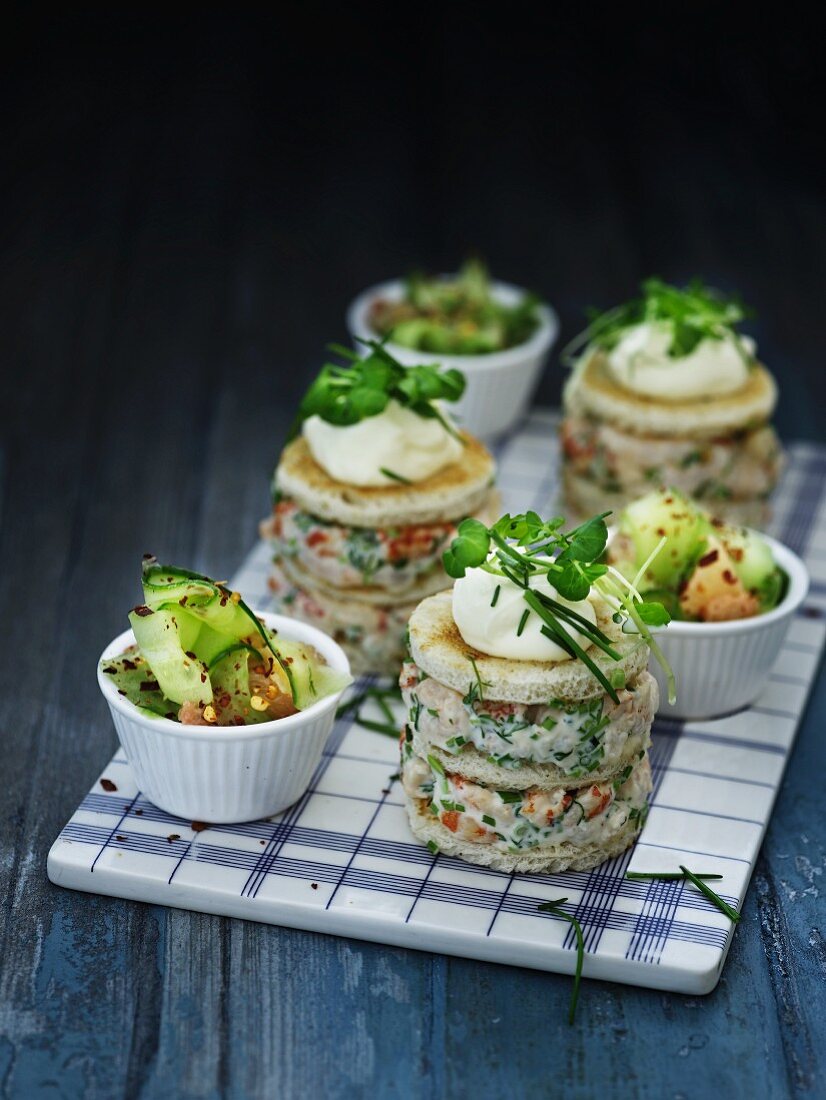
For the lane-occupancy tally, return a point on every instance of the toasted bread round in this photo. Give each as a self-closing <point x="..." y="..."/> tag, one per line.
<point x="372" y="596"/>
<point x="582" y="498"/>
<point x="437" y="647"/>
<point x="373" y="637"/>
<point x="547" y="859"/>
<point x="456" y="491"/>
<point x="592" y="391"/>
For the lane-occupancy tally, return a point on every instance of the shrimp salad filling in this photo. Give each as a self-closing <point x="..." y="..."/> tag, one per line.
<point x="517" y="820"/>
<point x="577" y="738"/>
<point x="350" y="557"/>
<point x="743" y="465"/>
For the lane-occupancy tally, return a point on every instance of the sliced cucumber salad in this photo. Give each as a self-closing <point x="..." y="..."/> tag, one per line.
<point x="706" y="571"/>
<point x="202" y="657"/>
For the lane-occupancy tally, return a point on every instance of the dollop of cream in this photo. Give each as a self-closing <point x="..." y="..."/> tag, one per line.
<point x="493" y="630"/>
<point x="640" y="362"/>
<point x="397" y="439"/>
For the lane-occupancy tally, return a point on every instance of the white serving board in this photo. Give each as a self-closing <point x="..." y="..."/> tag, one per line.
<point x="343" y="861"/>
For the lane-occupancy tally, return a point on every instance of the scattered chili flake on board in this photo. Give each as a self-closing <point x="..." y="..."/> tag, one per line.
<point x="199" y="826"/>
<point x="173" y="837"/>
<point x="108" y="785"/>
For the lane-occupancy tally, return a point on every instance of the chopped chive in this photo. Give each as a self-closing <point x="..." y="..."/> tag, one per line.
<point x="394" y="476"/>
<point x="351" y="704"/>
<point x="555" y="632"/>
<point x="381" y="703"/>
<point x="496" y="592"/>
<point x="554" y="907"/>
<point x="488" y="820"/>
<point x="435" y="765"/>
<point x="522" y="622"/>
<point x="433" y="846"/>
<point x="377" y="727"/>
<point x="715" y="899"/>
<point x="667" y="875"/>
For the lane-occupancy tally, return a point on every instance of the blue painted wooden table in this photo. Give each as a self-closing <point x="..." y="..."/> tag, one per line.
<point x="121" y="267"/>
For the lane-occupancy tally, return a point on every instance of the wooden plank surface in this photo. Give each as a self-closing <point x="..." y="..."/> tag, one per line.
<point x="179" y="241"/>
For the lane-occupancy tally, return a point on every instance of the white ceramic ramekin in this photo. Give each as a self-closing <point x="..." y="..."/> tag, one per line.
<point x="722" y="667"/>
<point x="499" y="385"/>
<point x="224" y="774"/>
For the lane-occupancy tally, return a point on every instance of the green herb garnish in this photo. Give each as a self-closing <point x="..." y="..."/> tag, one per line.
<point x="554" y="907"/>
<point x="394" y="476"/>
<point x="715" y="899"/>
<point x="525" y="546"/>
<point x="345" y="395"/>
<point x="667" y="875"/>
<point x="694" y="313"/>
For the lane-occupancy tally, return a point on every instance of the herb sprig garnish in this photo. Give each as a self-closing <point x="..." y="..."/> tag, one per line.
<point x="696" y="879"/>
<point x="694" y="313"/>
<point x="525" y="546"/>
<point x="382" y="697"/>
<point x="344" y="395"/>
<point x="555" y="907"/>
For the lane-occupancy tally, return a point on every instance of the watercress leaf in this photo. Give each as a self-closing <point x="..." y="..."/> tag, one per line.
<point x="586" y="543"/>
<point x="570" y="583"/>
<point x="653" y="613"/>
<point x="468" y="549"/>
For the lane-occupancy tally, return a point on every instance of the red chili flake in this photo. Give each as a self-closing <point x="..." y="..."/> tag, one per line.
<point x="199" y="826"/>
<point x="736" y="553"/>
<point x="729" y="577"/>
<point x="108" y="785"/>
<point x="182" y="600"/>
<point x="173" y="837"/>
<point x="262" y="842"/>
<point x="129" y="664"/>
<point x="121" y="692"/>
<point x="190" y="654"/>
<point x="142" y="610"/>
<point x="149" y="685"/>
<point x="111" y="671"/>
<point x="139" y="812"/>
<point x="709" y="559"/>
<point x="203" y="677"/>
<point x="313" y="885"/>
<point x="119" y="837"/>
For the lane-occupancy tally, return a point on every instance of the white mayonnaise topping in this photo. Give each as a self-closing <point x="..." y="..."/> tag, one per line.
<point x="493" y="630"/>
<point x="640" y="362"/>
<point x="412" y="446"/>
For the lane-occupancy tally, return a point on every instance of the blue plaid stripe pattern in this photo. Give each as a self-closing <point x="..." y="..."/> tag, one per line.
<point x="342" y="858"/>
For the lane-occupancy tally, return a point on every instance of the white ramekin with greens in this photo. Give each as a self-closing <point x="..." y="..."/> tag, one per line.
<point x="497" y="334"/>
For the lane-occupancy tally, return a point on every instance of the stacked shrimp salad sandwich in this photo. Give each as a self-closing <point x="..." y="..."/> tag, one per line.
<point x="667" y="391"/>
<point x="366" y="498"/>
<point x="529" y="701"/>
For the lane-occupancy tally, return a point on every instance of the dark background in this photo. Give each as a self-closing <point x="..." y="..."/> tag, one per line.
<point x="231" y="182"/>
<point x="187" y="203"/>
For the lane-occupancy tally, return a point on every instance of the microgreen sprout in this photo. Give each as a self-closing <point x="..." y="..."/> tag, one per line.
<point x="346" y="394"/>
<point x="694" y="313"/>
<point x="520" y="548"/>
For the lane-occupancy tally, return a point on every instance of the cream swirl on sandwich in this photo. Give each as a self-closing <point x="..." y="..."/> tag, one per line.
<point x="640" y="362"/>
<point x="490" y="613"/>
<point x="396" y="441"/>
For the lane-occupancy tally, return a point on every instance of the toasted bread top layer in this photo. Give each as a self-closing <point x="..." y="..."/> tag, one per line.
<point x="439" y="649"/>
<point x="456" y="491"/>
<point x="591" y="390"/>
